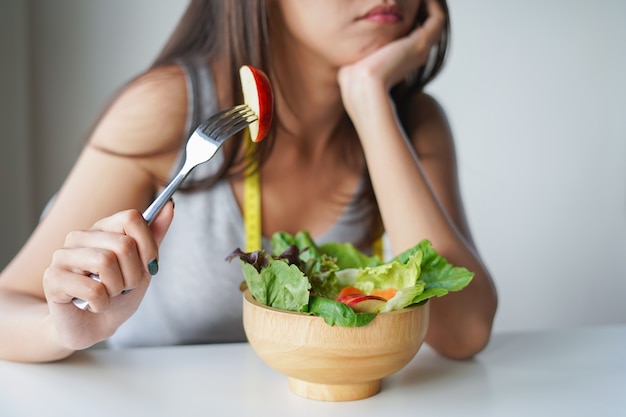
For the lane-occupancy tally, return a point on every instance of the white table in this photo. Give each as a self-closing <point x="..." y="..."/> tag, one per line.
<point x="574" y="372"/>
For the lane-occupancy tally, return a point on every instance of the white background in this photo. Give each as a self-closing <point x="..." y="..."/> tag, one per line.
<point x="535" y="92"/>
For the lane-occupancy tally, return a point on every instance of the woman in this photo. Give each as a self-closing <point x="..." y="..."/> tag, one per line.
<point x="356" y="148"/>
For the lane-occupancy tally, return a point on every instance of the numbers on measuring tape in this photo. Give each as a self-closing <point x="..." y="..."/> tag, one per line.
<point x="252" y="203"/>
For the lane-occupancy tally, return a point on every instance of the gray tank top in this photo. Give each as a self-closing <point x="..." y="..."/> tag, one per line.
<point x="195" y="297"/>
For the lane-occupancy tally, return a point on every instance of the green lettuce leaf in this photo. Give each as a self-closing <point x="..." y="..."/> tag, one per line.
<point x="280" y="241"/>
<point x="429" y="293"/>
<point x="278" y="285"/>
<point x="348" y="256"/>
<point x="394" y="274"/>
<point x="298" y="266"/>
<point x="338" y="313"/>
<point x="438" y="273"/>
<point x="404" y="297"/>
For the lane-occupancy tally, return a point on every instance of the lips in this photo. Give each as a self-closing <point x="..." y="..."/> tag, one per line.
<point x="384" y="14"/>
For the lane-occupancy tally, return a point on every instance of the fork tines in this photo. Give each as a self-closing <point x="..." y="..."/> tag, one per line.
<point x="229" y="121"/>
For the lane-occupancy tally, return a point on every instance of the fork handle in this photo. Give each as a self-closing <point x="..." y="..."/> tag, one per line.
<point x="153" y="209"/>
<point x="149" y="214"/>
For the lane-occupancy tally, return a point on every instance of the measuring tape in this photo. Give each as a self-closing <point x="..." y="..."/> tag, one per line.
<point x="252" y="199"/>
<point x="252" y="204"/>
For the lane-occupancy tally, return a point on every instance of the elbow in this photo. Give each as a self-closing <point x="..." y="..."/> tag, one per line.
<point x="466" y="346"/>
<point x="465" y="340"/>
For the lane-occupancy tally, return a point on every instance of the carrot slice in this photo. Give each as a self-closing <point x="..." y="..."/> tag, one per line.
<point x="386" y="293"/>
<point x="349" y="290"/>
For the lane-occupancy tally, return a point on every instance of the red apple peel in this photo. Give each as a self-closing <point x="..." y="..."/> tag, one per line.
<point x="363" y="303"/>
<point x="258" y="95"/>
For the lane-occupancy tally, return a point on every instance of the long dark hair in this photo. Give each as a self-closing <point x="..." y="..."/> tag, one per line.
<point x="232" y="33"/>
<point x="229" y="34"/>
<point x="236" y="32"/>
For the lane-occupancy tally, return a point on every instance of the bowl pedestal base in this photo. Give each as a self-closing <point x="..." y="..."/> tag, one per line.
<point x="332" y="392"/>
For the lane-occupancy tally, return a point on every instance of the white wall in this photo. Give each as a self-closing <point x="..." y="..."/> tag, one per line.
<point x="535" y="93"/>
<point x="59" y="62"/>
<point x="15" y="175"/>
<point x="82" y="51"/>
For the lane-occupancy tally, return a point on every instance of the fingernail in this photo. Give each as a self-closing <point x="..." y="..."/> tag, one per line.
<point x="126" y="292"/>
<point x="173" y="203"/>
<point x="153" y="266"/>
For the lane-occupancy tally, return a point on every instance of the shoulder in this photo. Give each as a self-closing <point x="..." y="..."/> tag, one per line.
<point x="427" y="125"/>
<point x="148" y="115"/>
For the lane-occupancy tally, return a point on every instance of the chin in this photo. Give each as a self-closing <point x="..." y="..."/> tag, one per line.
<point x="364" y="49"/>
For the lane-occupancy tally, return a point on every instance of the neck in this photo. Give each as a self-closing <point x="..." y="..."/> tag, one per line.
<point x="308" y="102"/>
<point x="307" y="95"/>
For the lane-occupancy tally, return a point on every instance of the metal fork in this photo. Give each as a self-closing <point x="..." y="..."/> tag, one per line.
<point x="201" y="146"/>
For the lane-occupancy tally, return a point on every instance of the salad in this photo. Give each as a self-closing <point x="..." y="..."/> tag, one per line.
<point x="343" y="285"/>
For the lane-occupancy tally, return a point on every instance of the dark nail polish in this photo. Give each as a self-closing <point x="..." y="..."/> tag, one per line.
<point x="153" y="266"/>
<point x="173" y="203"/>
<point x="126" y="292"/>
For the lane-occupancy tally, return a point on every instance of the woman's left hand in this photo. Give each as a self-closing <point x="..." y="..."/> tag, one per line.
<point x="387" y="66"/>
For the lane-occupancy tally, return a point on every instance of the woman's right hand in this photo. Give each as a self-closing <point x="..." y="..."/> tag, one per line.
<point x="123" y="251"/>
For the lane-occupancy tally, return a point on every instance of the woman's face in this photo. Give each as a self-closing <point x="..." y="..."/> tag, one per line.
<point x="344" y="31"/>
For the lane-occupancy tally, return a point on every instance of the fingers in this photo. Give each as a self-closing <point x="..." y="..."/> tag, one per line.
<point x="162" y="222"/>
<point x="435" y="21"/>
<point x="392" y="63"/>
<point x="430" y="32"/>
<point x="122" y="250"/>
<point x="113" y="257"/>
<point x="61" y="286"/>
<point x="128" y="224"/>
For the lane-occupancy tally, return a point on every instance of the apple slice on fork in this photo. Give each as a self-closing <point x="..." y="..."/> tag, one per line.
<point x="258" y="95"/>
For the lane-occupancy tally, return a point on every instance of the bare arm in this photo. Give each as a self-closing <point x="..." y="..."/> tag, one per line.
<point x="81" y="234"/>
<point x="416" y="186"/>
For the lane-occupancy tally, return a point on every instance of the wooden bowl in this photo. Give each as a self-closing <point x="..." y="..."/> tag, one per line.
<point x="334" y="363"/>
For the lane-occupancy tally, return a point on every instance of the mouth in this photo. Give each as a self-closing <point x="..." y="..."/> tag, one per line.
<point x="383" y="14"/>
